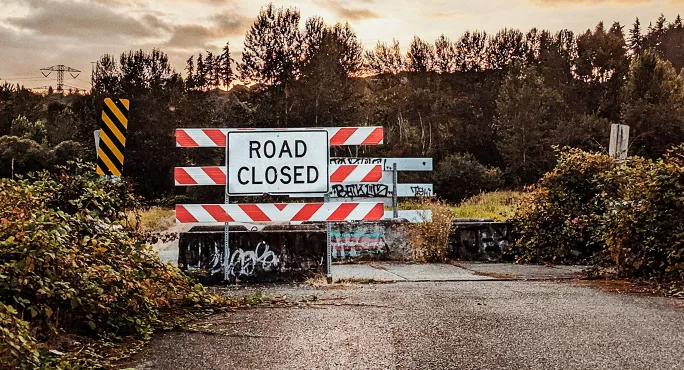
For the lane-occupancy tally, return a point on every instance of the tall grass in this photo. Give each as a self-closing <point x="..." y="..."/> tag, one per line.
<point x="498" y="205"/>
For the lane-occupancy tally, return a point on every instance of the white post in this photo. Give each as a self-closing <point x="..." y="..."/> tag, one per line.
<point x="619" y="142"/>
<point x="96" y="133"/>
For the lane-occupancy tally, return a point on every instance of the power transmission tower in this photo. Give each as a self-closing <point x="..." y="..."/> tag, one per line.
<point x="60" y="69"/>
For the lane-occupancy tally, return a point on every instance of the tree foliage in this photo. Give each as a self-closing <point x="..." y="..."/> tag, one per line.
<point x="273" y="47"/>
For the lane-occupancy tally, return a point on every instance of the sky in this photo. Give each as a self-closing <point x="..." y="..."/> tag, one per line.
<point x="40" y="33"/>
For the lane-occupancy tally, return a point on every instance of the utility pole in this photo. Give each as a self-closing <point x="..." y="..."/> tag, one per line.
<point x="92" y="76"/>
<point x="60" y="69"/>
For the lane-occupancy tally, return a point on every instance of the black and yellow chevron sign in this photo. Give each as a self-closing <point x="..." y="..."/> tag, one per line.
<point x="110" y="154"/>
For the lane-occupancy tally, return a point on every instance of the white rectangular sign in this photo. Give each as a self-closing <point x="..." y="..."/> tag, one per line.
<point x="278" y="162"/>
<point x="403" y="164"/>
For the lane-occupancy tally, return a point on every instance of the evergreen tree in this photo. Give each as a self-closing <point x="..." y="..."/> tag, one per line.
<point x="677" y="22"/>
<point x="226" y="66"/>
<point x="352" y="52"/>
<point x="211" y="70"/>
<point x="529" y="113"/>
<point x="617" y="30"/>
<point x="661" y="23"/>
<point x="420" y="56"/>
<point x="385" y="59"/>
<point x="324" y="89"/>
<point x="273" y="47"/>
<point x="667" y="40"/>
<point x="635" y="38"/>
<point x="445" y="55"/>
<point x="504" y="48"/>
<point x="201" y="74"/>
<point x="471" y="51"/>
<point x="602" y="64"/>
<point x="190" y="72"/>
<point x="653" y="105"/>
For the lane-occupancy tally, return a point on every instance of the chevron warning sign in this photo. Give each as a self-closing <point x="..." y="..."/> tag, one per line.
<point x="114" y="125"/>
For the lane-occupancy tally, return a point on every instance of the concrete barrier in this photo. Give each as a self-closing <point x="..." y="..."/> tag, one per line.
<point x="287" y="252"/>
<point x="295" y="252"/>
<point x="370" y="240"/>
<point x="480" y="240"/>
<point x="275" y="253"/>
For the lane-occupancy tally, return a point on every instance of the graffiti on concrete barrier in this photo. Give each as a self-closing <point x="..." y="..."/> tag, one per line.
<point x="360" y="191"/>
<point x="486" y="241"/>
<point x="346" y="244"/>
<point x="207" y="252"/>
<point x="244" y="263"/>
<point x="275" y="253"/>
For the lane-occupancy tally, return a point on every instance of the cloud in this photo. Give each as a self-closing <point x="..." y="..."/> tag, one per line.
<point x="221" y="25"/>
<point x="556" y="3"/>
<point x="121" y="3"/>
<point x="84" y="21"/>
<point x="454" y="14"/>
<point x="349" y="14"/>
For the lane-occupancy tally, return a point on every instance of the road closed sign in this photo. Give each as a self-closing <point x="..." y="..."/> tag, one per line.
<point x="278" y="162"/>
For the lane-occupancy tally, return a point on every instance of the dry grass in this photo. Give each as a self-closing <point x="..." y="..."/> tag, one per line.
<point x="430" y="240"/>
<point x="154" y="219"/>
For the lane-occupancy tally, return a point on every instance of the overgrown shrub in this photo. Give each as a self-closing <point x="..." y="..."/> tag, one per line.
<point x="561" y="219"/>
<point x="644" y="231"/>
<point x="68" y="267"/>
<point x="591" y="209"/>
<point x="460" y="176"/>
<point x="430" y="240"/>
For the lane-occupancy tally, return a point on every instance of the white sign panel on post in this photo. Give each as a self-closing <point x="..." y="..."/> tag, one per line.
<point x="278" y="162"/>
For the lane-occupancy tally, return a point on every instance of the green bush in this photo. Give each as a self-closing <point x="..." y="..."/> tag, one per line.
<point x="591" y="209"/>
<point x="69" y="267"/>
<point x="644" y="231"/>
<point x="460" y="176"/>
<point x="560" y="219"/>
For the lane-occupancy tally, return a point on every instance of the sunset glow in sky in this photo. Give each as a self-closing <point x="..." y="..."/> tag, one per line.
<point x="41" y="33"/>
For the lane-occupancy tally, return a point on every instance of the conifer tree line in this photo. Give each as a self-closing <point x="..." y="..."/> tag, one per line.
<point x="491" y="104"/>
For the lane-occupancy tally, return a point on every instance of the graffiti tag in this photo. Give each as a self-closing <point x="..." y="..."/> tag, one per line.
<point x="243" y="263"/>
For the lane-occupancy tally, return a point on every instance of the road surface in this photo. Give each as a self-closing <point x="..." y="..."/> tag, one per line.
<point x="475" y="320"/>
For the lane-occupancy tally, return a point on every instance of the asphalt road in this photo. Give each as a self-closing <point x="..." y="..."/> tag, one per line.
<point x="488" y="324"/>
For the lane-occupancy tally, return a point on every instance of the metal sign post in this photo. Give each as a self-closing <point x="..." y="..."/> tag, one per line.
<point x="395" y="200"/>
<point x="328" y="246"/>
<point x="226" y="232"/>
